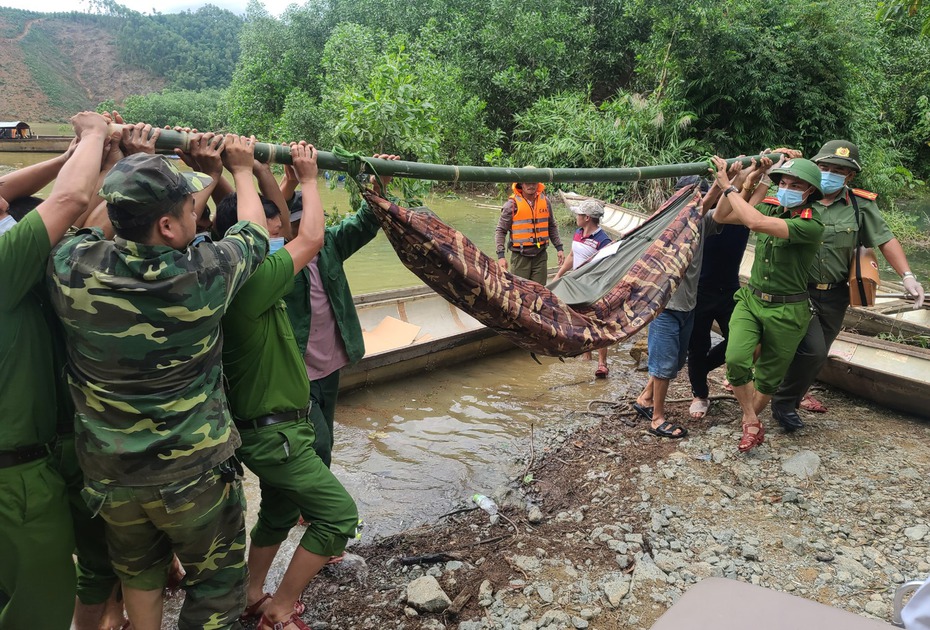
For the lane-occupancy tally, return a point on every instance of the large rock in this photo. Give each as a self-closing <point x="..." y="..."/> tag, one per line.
<point x="426" y="595"/>
<point x="802" y="465"/>
<point x="616" y="590"/>
<point x="918" y="532"/>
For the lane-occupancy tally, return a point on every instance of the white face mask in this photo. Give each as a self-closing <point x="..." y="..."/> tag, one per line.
<point x="6" y="224"/>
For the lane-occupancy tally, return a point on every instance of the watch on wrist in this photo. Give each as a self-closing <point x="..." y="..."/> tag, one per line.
<point x="729" y="189"/>
<point x="908" y="273"/>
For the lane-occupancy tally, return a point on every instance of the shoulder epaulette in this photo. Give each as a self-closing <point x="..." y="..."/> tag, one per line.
<point x="772" y="201"/>
<point x="807" y="213"/>
<point x="865" y="194"/>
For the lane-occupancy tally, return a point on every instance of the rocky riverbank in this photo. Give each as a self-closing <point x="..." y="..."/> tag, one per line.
<point x="607" y="526"/>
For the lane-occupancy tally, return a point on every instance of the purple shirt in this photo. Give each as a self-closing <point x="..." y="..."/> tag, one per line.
<point x="325" y="351"/>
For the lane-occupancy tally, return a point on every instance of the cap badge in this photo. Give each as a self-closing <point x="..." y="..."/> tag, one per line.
<point x="842" y="152"/>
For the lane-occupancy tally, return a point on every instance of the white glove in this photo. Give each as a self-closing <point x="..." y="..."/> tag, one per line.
<point x="913" y="287"/>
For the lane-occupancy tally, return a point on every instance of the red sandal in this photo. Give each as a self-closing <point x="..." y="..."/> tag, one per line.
<point x="294" y="621"/>
<point x="751" y="439"/>
<point x="254" y="611"/>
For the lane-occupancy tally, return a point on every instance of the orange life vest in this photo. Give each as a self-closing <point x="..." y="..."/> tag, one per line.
<point x="530" y="224"/>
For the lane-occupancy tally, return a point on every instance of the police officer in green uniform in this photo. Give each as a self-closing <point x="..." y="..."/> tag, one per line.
<point x="269" y="396"/>
<point x="838" y="161"/>
<point x="37" y="574"/>
<point x="142" y="316"/>
<point x="773" y="309"/>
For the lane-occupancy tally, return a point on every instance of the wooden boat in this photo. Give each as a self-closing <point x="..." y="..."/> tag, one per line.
<point x="36" y="144"/>
<point x="891" y="317"/>
<point x="415" y="330"/>
<point x="616" y="221"/>
<point x="892" y="374"/>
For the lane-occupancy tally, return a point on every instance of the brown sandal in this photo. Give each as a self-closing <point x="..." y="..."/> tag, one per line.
<point x="294" y="621"/>
<point x="254" y="611"/>
<point x="751" y="439"/>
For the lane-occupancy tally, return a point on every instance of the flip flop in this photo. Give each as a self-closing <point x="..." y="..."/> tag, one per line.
<point x="602" y="371"/>
<point x="809" y="403"/>
<point x="645" y="412"/>
<point x="698" y="408"/>
<point x="668" y="430"/>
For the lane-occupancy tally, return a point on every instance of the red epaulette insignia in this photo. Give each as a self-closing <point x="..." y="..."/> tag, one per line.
<point x="771" y="200"/>
<point x="865" y="194"/>
<point x="807" y="213"/>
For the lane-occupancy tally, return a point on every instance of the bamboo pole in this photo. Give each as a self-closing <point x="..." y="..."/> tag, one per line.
<point x="280" y="154"/>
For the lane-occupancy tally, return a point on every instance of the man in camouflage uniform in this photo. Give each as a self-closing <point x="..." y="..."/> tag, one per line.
<point x="37" y="580"/>
<point x="838" y="161"/>
<point x="154" y="435"/>
<point x="772" y="311"/>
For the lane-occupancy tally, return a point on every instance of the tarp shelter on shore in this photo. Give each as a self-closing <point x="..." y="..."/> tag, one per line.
<point x="14" y="130"/>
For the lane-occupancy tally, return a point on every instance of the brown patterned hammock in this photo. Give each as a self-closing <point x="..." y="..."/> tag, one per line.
<point x="635" y="285"/>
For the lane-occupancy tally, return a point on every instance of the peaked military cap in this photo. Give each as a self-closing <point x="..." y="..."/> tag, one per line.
<point x="839" y="153"/>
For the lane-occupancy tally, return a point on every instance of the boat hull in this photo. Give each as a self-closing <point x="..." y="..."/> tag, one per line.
<point x="54" y="144"/>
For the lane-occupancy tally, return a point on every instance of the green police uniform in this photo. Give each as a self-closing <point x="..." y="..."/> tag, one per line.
<point x="773" y="310"/>
<point x="36" y="538"/>
<point x="827" y="281"/>
<point x="339" y="242"/>
<point x="268" y="393"/>
<point x="153" y="432"/>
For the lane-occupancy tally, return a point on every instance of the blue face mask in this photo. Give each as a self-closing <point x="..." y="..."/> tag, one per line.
<point x="6" y="224"/>
<point x="790" y="198"/>
<point x="274" y="244"/>
<point x="831" y="182"/>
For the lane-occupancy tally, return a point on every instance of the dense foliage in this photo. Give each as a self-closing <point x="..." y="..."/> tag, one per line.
<point x="590" y="82"/>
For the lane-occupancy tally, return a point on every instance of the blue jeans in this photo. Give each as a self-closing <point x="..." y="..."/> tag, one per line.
<point x="669" y="334"/>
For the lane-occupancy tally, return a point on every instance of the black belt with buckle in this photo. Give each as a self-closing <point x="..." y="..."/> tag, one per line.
<point x="778" y="299"/>
<point x="827" y="286"/>
<point x="275" y="418"/>
<point x="24" y="455"/>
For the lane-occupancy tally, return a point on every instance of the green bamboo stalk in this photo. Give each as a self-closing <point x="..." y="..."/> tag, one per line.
<point x="279" y="154"/>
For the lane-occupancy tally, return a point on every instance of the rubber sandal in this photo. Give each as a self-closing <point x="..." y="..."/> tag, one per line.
<point x="751" y="440"/>
<point x="602" y="371"/>
<point x="809" y="403"/>
<point x="699" y="408"/>
<point x="668" y="430"/>
<point x="644" y="411"/>
<point x="294" y="621"/>
<point x="336" y="559"/>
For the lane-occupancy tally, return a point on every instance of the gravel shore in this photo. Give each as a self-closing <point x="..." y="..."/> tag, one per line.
<point x="606" y="526"/>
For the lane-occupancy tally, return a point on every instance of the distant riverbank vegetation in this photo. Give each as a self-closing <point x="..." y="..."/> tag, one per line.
<point x="563" y="83"/>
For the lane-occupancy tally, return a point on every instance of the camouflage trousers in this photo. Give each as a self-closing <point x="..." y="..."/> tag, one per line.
<point x="202" y="520"/>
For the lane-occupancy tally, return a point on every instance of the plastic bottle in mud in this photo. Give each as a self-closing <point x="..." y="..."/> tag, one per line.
<point x="487" y="504"/>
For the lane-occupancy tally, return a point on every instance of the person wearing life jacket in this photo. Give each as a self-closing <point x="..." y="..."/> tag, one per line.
<point x="772" y="310"/>
<point x="527" y="217"/>
<point x="838" y="161"/>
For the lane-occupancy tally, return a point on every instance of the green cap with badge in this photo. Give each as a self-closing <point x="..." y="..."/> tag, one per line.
<point x="143" y="185"/>
<point x="839" y="153"/>
<point x="805" y="170"/>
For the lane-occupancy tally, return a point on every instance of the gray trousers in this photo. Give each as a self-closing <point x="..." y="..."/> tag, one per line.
<point x="811" y="355"/>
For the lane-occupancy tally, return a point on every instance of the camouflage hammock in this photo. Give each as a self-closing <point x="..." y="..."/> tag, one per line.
<point x="536" y="318"/>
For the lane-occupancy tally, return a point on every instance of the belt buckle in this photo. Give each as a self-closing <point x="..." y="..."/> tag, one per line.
<point x="823" y="286"/>
<point x="765" y="297"/>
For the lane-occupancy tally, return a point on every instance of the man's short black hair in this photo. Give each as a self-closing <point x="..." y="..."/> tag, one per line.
<point x="227" y="212"/>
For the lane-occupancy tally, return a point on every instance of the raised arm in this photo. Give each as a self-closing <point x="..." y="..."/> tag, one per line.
<point x="268" y="186"/>
<point x="309" y="238"/>
<point x="74" y="187"/>
<point x="31" y="179"/>
<point x="238" y="155"/>
<point x="736" y="210"/>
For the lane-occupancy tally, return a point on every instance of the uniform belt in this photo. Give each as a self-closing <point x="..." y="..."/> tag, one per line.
<point x="778" y="299"/>
<point x="827" y="286"/>
<point x="24" y="455"/>
<point x="275" y="418"/>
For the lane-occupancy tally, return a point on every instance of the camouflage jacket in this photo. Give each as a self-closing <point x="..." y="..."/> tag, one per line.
<point x="144" y="351"/>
